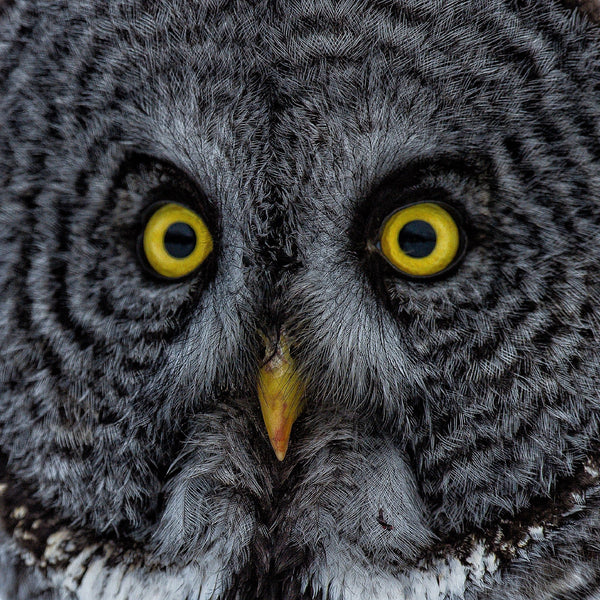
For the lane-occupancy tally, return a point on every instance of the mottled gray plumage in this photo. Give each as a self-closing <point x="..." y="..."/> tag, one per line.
<point x="449" y="444"/>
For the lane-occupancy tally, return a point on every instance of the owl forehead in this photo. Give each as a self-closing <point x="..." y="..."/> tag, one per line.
<point x="254" y="85"/>
<point x="293" y="95"/>
<point x="307" y="108"/>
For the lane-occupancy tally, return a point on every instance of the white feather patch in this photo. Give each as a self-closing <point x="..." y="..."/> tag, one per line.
<point x="438" y="580"/>
<point x="89" y="577"/>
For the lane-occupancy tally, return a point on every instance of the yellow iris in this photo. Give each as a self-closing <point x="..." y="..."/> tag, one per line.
<point x="176" y="241"/>
<point x="420" y="240"/>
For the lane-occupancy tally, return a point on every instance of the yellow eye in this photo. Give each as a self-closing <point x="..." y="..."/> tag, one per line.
<point x="176" y="241"/>
<point x="420" y="240"/>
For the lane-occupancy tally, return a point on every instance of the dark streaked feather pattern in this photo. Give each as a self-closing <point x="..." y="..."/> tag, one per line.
<point x="448" y="448"/>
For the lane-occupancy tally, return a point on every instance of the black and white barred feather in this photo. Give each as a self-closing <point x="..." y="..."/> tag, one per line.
<point x="449" y="447"/>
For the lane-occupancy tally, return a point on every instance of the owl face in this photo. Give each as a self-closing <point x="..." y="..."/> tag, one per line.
<point x="292" y="297"/>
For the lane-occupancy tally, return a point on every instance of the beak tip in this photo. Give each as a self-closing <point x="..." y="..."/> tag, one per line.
<point x="280" y="451"/>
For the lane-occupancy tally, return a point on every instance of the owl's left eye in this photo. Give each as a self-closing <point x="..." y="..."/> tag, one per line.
<point x="421" y="240"/>
<point x="176" y="241"/>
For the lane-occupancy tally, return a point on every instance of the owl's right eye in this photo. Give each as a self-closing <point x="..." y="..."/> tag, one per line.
<point x="176" y="241"/>
<point x="421" y="240"/>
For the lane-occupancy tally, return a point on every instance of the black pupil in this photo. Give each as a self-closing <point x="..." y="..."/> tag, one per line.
<point x="180" y="240"/>
<point x="417" y="239"/>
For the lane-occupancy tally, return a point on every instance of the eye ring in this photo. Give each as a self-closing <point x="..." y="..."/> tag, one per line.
<point x="422" y="240"/>
<point x="175" y="241"/>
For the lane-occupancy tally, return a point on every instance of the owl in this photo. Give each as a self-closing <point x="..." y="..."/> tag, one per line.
<point x="299" y="300"/>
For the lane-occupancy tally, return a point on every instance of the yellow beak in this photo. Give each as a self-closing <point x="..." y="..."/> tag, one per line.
<point x="281" y="395"/>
